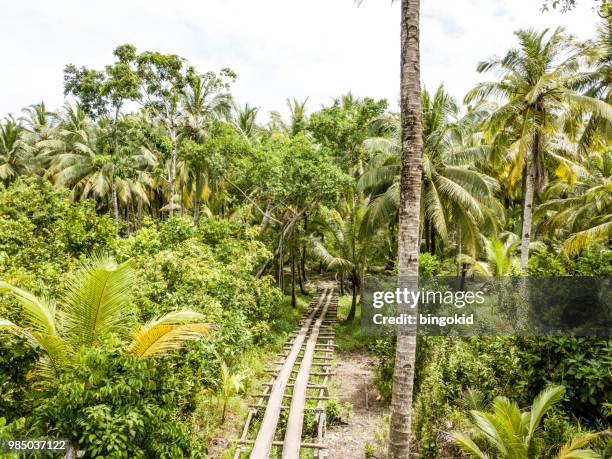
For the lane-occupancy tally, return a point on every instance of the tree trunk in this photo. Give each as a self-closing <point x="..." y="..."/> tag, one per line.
<point x="182" y="197"/>
<point x="293" y="299"/>
<point x="139" y="211"/>
<point x="266" y="218"/>
<point x="172" y="174"/>
<point x="408" y="232"/>
<point x="341" y="283"/>
<point x="71" y="452"/>
<point x="224" y="411"/>
<point x="527" y="214"/>
<point x="196" y="207"/>
<point x="433" y="241"/>
<point x="303" y="259"/>
<point x="115" y="201"/>
<point x="351" y="314"/>
<point x="463" y="273"/>
<point x="300" y="279"/>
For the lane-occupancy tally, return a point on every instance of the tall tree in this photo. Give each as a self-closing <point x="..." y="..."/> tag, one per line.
<point x="409" y="216"/>
<point x="536" y="85"/>
<point x="455" y="195"/>
<point x="409" y="225"/>
<point x="104" y="93"/>
<point x="14" y="151"/>
<point x="347" y="246"/>
<point x="164" y="78"/>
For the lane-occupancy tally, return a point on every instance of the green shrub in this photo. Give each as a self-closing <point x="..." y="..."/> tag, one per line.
<point x="117" y="405"/>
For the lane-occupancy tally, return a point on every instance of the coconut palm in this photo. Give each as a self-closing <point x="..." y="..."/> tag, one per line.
<point x="38" y="122"/>
<point x="203" y="104"/>
<point x="82" y="160"/>
<point x="95" y="306"/>
<point x="509" y="433"/>
<point x="580" y="213"/>
<point x="400" y="425"/>
<point x="347" y="246"/>
<point x="297" y="118"/>
<point x="535" y="84"/>
<point x="454" y="193"/>
<point x="14" y="151"/>
<point x="230" y="385"/>
<point x="593" y="132"/>
<point x="244" y="120"/>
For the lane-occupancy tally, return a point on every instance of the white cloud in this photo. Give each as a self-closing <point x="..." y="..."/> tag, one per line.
<point x="279" y="48"/>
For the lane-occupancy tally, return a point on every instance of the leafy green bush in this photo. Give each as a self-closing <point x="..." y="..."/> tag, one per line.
<point x="515" y="367"/>
<point x="118" y="405"/>
<point x="43" y="234"/>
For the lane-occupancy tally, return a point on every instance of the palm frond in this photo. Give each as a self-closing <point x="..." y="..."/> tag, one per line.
<point x="168" y="333"/>
<point x="467" y="445"/>
<point x="97" y="302"/>
<point x="39" y="313"/>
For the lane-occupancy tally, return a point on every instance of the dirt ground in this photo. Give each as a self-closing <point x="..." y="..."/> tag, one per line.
<point x="355" y="385"/>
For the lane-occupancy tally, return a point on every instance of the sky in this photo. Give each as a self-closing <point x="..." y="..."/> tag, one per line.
<point x="318" y="49"/>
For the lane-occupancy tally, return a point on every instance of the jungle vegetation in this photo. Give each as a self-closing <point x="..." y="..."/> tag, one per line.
<point x="155" y="234"/>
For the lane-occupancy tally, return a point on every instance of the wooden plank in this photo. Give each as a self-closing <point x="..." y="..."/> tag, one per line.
<point x="280" y="443"/>
<point x="265" y="436"/>
<point x="295" y="422"/>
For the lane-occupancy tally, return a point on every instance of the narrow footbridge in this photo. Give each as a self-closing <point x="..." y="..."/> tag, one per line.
<point x="298" y="385"/>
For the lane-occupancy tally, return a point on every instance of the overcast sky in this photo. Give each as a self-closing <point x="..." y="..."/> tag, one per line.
<point x="279" y="48"/>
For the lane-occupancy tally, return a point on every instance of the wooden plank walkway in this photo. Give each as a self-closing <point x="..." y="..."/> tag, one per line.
<point x="292" y="378"/>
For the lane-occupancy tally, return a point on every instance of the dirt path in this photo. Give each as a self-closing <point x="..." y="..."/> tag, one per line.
<point x="355" y="373"/>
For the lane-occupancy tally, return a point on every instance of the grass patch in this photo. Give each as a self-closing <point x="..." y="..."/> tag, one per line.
<point x="348" y="334"/>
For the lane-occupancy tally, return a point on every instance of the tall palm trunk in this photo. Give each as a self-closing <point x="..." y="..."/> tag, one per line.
<point x="355" y="285"/>
<point x="527" y="216"/>
<point x="139" y="215"/>
<point x="115" y="201"/>
<point x="528" y="204"/>
<point x="408" y="233"/>
<point x="172" y="173"/>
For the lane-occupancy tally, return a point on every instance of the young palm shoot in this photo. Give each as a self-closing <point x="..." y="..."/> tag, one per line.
<point x="231" y="385"/>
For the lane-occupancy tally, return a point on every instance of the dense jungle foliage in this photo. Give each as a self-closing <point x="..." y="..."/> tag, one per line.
<point x="157" y="240"/>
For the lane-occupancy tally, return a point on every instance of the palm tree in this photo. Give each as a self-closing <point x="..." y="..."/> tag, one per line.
<point x="595" y="132"/>
<point x="580" y="213"/>
<point x="203" y="104"/>
<point x="14" y="152"/>
<point x="499" y="259"/>
<point x="298" y="118"/>
<point x="83" y="161"/>
<point x="536" y="84"/>
<point x="510" y="433"/>
<point x="454" y="193"/>
<point x="348" y="247"/>
<point x="409" y="220"/>
<point x="39" y="127"/>
<point x="38" y="122"/>
<point x="230" y="385"/>
<point x="245" y="120"/>
<point x="95" y="306"/>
